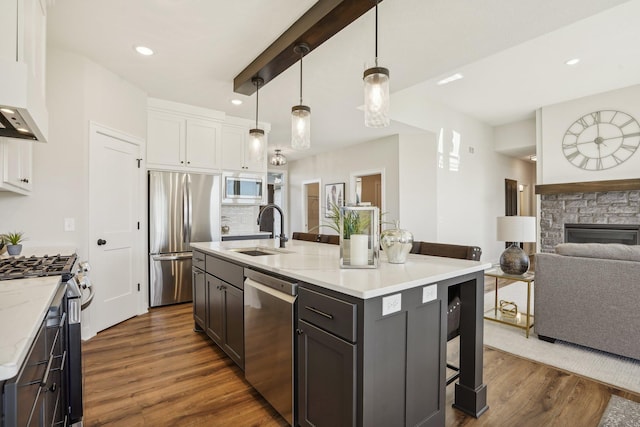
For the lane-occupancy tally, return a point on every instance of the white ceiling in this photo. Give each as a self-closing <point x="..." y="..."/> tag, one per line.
<point x="511" y="53"/>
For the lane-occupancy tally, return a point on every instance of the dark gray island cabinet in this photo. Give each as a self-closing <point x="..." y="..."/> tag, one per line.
<point x="370" y="344"/>
<point x="381" y="361"/>
<point x="218" y="303"/>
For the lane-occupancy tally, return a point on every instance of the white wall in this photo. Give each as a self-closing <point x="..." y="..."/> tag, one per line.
<point x="78" y="90"/>
<point x="336" y="166"/>
<point x="470" y="174"/>
<point x="516" y="139"/>
<point x="554" y="120"/>
<point x="418" y="189"/>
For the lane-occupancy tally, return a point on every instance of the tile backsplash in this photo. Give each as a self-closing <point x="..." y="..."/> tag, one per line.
<point x="240" y="219"/>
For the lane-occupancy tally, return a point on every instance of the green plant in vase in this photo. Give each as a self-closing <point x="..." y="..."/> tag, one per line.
<point x="354" y="223"/>
<point x="13" y="241"/>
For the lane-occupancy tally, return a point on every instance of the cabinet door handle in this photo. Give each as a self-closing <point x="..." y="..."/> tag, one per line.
<point x="321" y="313"/>
<point x="199" y="259"/>
<point x="25" y="180"/>
<point x="299" y="331"/>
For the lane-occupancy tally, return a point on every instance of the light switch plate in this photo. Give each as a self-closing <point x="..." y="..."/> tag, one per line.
<point x="429" y="293"/>
<point x="391" y="304"/>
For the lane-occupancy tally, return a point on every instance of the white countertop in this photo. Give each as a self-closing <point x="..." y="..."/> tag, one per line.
<point x="319" y="264"/>
<point x="23" y="306"/>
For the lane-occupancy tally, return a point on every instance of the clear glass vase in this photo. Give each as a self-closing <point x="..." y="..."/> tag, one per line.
<point x="359" y="236"/>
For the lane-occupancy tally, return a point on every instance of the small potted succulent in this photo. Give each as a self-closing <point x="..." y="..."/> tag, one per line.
<point x="13" y="242"/>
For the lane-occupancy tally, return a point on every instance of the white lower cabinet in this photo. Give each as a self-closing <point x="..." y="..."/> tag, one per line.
<point x="16" y="165"/>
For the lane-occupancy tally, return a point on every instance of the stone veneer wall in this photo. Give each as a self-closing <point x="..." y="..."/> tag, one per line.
<point x="612" y="207"/>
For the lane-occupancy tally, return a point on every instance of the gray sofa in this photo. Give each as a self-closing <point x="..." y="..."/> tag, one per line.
<point x="589" y="294"/>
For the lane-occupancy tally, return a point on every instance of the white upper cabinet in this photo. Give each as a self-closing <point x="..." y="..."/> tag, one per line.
<point x="184" y="137"/>
<point x="181" y="139"/>
<point x="15" y="165"/>
<point x="203" y="144"/>
<point x="236" y="149"/>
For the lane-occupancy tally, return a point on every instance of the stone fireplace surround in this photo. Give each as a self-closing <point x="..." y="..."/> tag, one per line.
<point x="600" y="202"/>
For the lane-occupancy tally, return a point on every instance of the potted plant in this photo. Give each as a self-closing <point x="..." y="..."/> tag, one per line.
<point x="354" y="223"/>
<point x="13" y="241"/>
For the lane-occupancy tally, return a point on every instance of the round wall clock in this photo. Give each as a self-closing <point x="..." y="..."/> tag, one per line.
<point x="601" y="140"/>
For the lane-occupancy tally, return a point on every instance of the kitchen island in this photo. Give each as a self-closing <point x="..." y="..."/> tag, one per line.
<point x="381" y="333"/>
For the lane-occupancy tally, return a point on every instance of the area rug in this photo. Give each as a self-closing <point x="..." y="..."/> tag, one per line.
<point x="620" y="372"/>
<point x="621" y="412"/>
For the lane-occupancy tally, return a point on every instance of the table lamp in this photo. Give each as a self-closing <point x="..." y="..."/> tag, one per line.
<point x="516" y="229"/>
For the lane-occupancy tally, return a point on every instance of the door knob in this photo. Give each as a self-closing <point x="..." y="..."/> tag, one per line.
<point x="101" y="242"/>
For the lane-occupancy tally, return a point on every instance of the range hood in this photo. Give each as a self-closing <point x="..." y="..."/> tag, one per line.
<point x="23" y="113"/>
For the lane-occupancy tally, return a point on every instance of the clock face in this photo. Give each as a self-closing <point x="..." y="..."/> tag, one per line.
<point x="601" y="140"/>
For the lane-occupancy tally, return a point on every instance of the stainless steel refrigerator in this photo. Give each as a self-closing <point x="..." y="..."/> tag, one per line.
<point x="183" y="208"/>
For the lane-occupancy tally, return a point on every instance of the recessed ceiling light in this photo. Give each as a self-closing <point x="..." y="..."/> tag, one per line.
<point x="23" y="130"/>
<point x="452" y="78"/>
<point x="572" y="61"/>
<point x="236" y="101"/>
<point x="143" y="50"/>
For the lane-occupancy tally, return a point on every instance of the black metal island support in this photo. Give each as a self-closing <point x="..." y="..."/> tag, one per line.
<point x="371" y="345"/>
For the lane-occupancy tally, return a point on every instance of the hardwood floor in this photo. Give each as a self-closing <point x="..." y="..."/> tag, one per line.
<point x="153" y="370"/>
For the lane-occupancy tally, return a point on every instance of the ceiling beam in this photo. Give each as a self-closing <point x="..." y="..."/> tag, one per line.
<point x="322" y="21"/>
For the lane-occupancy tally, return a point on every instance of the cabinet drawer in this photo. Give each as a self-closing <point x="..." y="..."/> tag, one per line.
<point x="225" y="270"/>
<point x="331" y="314"/>
<point x="198" y="260"/>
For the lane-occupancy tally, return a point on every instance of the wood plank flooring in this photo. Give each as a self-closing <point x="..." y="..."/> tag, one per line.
<point x="153" y="370"/>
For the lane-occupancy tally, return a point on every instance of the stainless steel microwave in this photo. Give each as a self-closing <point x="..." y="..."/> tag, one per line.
<point x="242" y="188"/>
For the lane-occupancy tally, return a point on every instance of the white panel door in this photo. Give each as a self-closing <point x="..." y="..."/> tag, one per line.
<point x="114" y="212"/>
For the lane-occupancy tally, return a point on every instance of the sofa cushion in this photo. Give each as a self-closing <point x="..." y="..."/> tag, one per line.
<point x="600" y="250"/>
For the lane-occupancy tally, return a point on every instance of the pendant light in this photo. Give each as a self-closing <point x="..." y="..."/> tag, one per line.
<point x="301" y="114"/>
<point x="376" y="91"/>
<point x="256" y="136"/>
<point x="278" y="159"/>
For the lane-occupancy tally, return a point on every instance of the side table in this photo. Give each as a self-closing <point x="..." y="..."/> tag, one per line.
<point x="519" y="319"/>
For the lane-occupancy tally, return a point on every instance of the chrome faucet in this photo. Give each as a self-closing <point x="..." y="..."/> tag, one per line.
<point x="282" y="236"/>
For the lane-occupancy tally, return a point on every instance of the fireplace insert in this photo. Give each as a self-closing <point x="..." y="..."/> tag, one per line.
<point x="602" y="233"/>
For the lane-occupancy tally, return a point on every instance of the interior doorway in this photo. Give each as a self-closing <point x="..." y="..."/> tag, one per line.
<point x="311" y="205"/>
<point x="368" y="188"/>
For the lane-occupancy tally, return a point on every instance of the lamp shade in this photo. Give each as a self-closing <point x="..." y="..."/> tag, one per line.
<point x="516" y="228"/>
<point x="256" y="145"/>
<point x="300" y="127"/>
<point x="376" y="97"/>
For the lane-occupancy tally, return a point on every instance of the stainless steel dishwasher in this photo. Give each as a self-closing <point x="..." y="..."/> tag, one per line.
<point x="269" y="315"/>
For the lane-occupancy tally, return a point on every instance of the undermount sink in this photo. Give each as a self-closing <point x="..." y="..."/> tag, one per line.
<point x="259" y="251"/>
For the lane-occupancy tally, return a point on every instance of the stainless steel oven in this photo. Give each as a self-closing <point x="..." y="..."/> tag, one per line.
<point x="242" y="188"/>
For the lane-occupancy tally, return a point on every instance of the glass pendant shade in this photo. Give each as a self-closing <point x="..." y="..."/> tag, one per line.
<point x="257" y="141"/>
<point x="376" y="97"/>
<point x="256" y="145"/>
<point x="278" y="159"/>
<point x="300" y="127"/>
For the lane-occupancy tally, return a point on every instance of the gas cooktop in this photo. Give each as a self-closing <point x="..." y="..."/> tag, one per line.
<point x="36" y="266"/>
